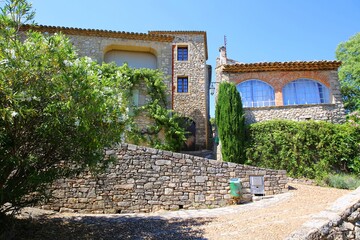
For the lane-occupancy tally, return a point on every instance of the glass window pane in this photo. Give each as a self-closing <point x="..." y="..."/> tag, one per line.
<point x="182" y="53"/>
<point x="182" y="84"/>
<point x="256" y="93"/>
<point x="305" y="91"/>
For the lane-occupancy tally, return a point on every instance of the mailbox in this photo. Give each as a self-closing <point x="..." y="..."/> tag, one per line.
<point x="257" y="185"/>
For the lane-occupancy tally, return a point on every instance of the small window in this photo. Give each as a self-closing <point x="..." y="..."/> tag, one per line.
<point x="135" y="97"/>
<point x="182" y="53"/>
<point x="182" y="84"/>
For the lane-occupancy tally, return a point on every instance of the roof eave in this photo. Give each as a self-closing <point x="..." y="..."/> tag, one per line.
<point x="282" y="66"/>
<point x="98" y="33"/>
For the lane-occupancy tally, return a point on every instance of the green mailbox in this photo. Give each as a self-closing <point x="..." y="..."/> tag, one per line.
<point x="235" y="187"/>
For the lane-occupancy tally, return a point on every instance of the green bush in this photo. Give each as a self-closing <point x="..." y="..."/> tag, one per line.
<point x="305" y="149"/>
<point x="343" y="181"/>
<point x="58" y="111"/>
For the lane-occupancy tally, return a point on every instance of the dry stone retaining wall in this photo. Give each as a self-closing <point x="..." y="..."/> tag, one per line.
<point x="146" y="179"/>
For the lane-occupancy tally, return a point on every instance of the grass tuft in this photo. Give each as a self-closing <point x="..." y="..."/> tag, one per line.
<point x="343" y="181"/>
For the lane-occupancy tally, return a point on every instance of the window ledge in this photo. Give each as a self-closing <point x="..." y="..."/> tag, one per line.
<point x="292" y="106"/>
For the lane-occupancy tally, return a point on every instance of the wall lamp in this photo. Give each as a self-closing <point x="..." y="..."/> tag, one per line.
<point x="212" y="87"/>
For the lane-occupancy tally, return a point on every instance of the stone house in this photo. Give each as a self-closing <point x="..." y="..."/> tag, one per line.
<point x="180" y="55"/>
<point x="285" y="90"/>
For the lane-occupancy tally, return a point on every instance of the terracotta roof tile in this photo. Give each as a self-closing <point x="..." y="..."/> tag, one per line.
<point x="282" y="66"/>
<point x="100" y="33"/>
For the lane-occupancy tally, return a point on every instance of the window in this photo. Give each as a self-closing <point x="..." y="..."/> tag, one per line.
<point x="182" y="84"/>
<point x="182" y="53"/>
<point x="134" y="104"/>
<point x="305" y="91"/>
<point x="135" y="97"/>
<point x="132" y="58"/>
<point x="256" y="93"/>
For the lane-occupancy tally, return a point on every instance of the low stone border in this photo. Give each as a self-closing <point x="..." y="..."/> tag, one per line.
<point x="340" y="221"/>
<point x="302" y="181"/>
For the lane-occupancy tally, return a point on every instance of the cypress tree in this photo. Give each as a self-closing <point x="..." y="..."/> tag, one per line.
<point x="230" y="122"/>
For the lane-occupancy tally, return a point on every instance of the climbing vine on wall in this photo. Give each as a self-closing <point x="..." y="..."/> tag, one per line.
<point x="165" y="129"/>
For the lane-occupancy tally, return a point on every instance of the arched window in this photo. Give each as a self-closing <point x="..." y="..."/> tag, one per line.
<point x="305" y="91"/>
<point x="256" y="93"/>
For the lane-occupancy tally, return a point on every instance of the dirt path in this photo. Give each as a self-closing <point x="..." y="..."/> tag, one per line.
<point x="276" y="221"/>
<point x="268" y="219"/>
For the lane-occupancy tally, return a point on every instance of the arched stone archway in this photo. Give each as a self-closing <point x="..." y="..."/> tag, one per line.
<point x="190" y="128"/>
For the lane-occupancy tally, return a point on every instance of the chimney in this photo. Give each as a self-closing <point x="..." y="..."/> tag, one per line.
<point x="223" y="58"/>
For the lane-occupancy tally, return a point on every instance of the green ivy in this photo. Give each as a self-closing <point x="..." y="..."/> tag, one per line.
<point x="164" y="122"/>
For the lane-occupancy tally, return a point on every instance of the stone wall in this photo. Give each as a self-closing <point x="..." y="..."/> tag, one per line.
<point x="163" y="45"/>
<point x="145" y="179"/>
<point x="333" y="112"/>
<point x="193" y="104"/>
<point x="340" y="221"/>
<point x="326" y="112"/>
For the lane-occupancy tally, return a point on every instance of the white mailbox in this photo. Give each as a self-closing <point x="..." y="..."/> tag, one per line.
<point x="257" y="185"/>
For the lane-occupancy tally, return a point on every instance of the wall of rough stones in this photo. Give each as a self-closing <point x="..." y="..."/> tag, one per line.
<point x="145" y="180"/>
<point x="333" y="112"/>
<point x="340" y="221"/>
<point x="194" y="103"/>
<point x="163" y="45"/>
<point x="325" y="112"/>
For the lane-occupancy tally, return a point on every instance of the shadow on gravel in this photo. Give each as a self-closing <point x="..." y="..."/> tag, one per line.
<point x="291" y="188"/>
<point x="98" y="227"/>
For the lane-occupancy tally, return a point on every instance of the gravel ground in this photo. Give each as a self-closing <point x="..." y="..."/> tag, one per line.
<point x="273" y="218"/>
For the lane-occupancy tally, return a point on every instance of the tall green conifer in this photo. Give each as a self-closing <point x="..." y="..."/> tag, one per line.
<point x="231" y="123"/>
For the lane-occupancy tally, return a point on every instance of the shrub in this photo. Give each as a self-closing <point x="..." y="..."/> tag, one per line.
<point x="343" y="181"/>
<point x="305" y="149"/>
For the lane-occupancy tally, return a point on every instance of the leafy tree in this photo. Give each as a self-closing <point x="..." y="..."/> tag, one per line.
<point x="349" y="74"/>
<point x="57" y="111"/>
<point x="229" y="117"/>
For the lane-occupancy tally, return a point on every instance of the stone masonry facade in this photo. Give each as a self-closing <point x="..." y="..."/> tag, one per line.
<point x="324" y="112"/>
<point x="193" y="104"/>
<point x="277" y="75"/>
<point x="145" y="180"/>
<point x="332" y="112"/>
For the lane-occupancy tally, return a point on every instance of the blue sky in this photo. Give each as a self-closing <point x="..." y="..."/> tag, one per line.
<point x="256" y="30"/>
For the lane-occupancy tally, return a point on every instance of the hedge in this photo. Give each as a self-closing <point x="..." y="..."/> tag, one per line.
<point x="305" y="149"/>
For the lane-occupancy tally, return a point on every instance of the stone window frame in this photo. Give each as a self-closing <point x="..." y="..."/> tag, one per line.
<point x="183" y="77"/>
<point x="182" y="45"/>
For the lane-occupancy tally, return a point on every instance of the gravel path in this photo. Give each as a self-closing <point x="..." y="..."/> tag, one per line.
<point x="273" y="218"/>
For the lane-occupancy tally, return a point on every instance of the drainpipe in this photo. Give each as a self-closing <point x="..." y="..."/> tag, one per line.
<point x="172" y="78"/>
